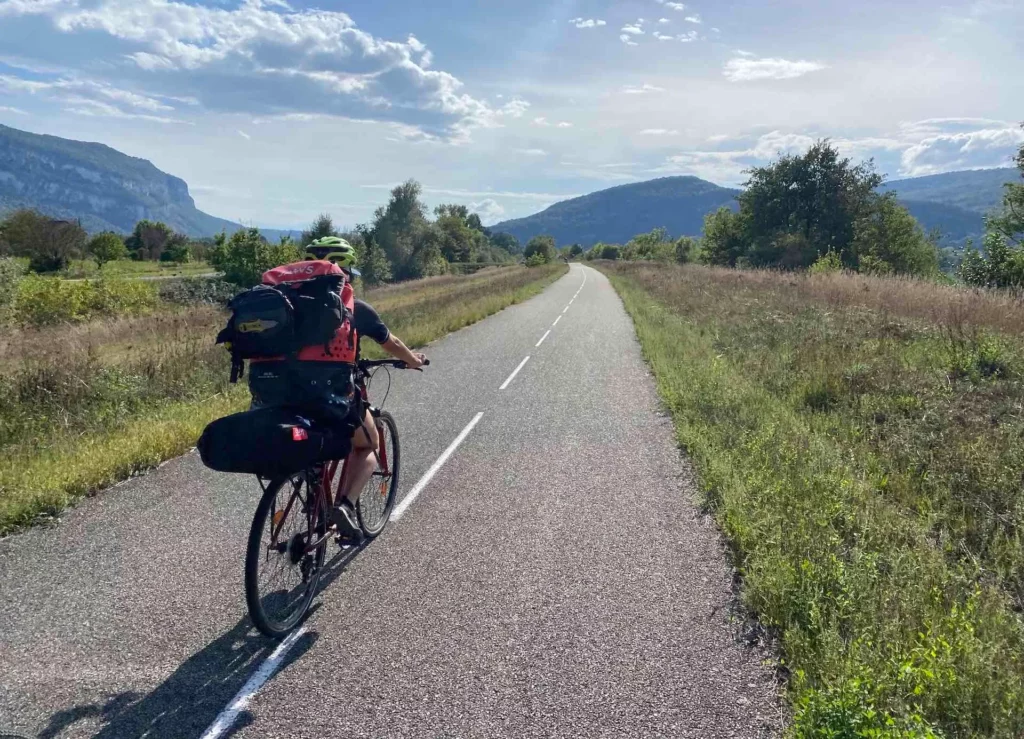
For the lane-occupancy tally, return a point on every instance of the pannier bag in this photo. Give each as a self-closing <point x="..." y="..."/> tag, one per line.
<point x="270" y="442"/>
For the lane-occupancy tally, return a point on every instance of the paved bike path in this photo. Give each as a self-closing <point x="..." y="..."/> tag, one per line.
<point x="553" y="579"/>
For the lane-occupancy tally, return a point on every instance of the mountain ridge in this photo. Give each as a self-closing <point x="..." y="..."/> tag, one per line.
<point x="954" y="203"/>
<point x="102" y="187"/>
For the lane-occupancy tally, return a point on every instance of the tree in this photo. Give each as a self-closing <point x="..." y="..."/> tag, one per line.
<point x="508" y="242"/>
<point x="1010" y="222"/>
<point x="888" y="240"/>
<point x="459" y="242"/>
<point x="800" y="207"/>
<point x="321" y="227"/>
<point x="575" y="250"/>
<point x="148" y="239"/>
<point x="373" y="262"/>
<point x="1001" y="263"/>
<point x="609" y="251"/>
<point x="177" y="249"/>
<point x="49" y="244"/>
<point x="106" y="247"/>
<point x="402" y="231"/>
<point x="685" y="250"/>
<point x="725" y="237"/>
<point x="247" y="255"/>
<point x="543" y="246"/>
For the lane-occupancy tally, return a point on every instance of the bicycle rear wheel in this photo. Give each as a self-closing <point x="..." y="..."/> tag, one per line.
<point x="285" y="554"/>
<point x="378" y="497"/>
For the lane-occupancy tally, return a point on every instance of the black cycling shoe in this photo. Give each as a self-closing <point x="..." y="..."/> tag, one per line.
<point x="343" y="515"/>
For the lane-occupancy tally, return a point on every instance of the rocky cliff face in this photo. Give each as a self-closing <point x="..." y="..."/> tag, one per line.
<point x="102" y="187"/>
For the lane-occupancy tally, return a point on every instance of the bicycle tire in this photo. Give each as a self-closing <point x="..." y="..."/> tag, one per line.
<point x="310" y="566"/>
<point x="381" y="486"/>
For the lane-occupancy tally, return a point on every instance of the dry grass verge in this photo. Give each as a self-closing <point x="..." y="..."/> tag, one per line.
<point x="861" y="442"/>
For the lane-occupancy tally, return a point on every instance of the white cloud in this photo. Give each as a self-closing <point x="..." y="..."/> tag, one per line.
<point x="9" y="109"/>
<point x="642" y="89"/>
<point x="244" y="135"/>
<point x="659" y="132"/>
<point x="86" y="97"/>
<point x="746" y="69"/>
<point x="262" y="57"/>
<point x="545" y="123"/>
<point x="687" y="37"/>
<point x="663" y="37"/>
<point x="634" y="30"/>
<point x="489" y="211"/>
<point x="627" y="40"/>
<point x="587" y="23"/>
<point x="533" y="152"/>
<point x="675" y="6"/>
<point x="664" y="20"/>
<point x="693" y="19"/>
<point x="741" y="52"/>
<point x="980" y="149"/>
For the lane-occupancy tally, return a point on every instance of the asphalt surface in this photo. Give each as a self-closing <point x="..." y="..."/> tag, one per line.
<point x="553" y="579"/>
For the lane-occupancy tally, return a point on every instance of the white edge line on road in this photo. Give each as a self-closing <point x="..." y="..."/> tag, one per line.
<point x="556" y="321"/>
<point x="566" y="308"/>
<point x="514" y="373"/>
<point x="240" y="702"/>
<point x="547" y="333"/>
<point x="428" y="476"/>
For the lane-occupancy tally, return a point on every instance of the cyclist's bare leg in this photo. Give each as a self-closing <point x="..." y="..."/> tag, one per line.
<point x="362" y="462"/>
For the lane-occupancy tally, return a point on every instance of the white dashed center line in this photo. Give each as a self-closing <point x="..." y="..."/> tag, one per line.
<point x="514" y="373"/>
<point x="556" y="321"/>
<point x="241" y="701"/>
<point x="546" y="334"/>
<point x="429" y="475"/>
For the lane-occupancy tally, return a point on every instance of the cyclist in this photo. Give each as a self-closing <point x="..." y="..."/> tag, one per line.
<point x="365" y="322"/>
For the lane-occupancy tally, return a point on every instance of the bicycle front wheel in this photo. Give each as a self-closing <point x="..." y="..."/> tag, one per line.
<point x="285" y="555"/>
<point x="378" y="497"/>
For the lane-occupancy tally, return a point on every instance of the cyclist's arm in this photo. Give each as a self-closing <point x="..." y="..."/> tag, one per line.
<point x="397" y="349"/>
<point x="369" y="324"/>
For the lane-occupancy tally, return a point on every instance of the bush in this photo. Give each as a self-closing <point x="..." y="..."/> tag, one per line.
<point x="247" y="255"/>
<point x="195" y="290"/>
<point x="535" y="260"/>
<point x="827" y="263"/>
<point x="542" y="246"/>
<point x="609" y="251"/>
<point x="40" y="301"/>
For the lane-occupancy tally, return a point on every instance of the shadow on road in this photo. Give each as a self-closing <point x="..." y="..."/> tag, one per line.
<point x="190" y="699"/>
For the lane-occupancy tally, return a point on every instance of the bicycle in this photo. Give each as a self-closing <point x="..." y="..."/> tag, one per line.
<point x="295" y="542"/>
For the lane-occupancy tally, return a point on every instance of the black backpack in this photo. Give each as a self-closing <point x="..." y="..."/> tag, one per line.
<point x="279" y="320"/>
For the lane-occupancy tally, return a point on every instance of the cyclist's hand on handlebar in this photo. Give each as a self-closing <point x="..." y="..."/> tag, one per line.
<point x="421" y="359"/>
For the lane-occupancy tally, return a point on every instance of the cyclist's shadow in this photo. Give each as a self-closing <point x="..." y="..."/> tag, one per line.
<point x="190" y="699"/>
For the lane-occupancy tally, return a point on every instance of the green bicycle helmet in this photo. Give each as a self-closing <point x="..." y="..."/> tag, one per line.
<point x="336" y="250"/>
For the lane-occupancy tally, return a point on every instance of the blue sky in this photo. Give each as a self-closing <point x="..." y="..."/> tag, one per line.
<point x="275" y="111"/>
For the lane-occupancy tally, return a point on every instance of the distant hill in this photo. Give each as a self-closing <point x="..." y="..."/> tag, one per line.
<point x="617" y="214"/>
<point x="105" y="189"/>
<point x="954" y="203"/>
<point x="975" y="190"/>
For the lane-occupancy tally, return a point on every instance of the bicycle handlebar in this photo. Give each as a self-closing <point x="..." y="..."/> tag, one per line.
<point x="365" y="364"/>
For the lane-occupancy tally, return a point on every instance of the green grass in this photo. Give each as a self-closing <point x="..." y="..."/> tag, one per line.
<point x="127" y="268"/>
<point x="861" y="443"/>
<point x="83" y="406"/>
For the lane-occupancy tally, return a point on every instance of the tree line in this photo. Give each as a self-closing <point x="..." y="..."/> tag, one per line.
<point x="819" y="211"/>
<point x="401" y="242"/>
